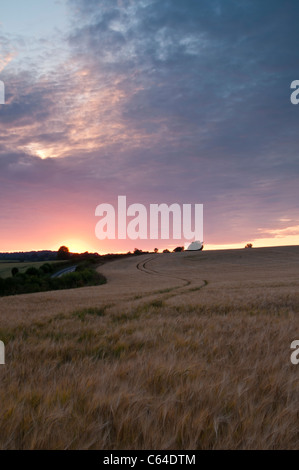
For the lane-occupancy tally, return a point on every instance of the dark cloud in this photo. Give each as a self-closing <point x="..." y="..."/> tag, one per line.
<point x="218" y="74"/>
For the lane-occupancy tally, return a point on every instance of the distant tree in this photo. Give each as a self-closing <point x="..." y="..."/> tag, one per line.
<point x="249" y="245"/>
<point x="137" y="251"/>
<point x="46" y="268"/>
<point x="178" y="249"/>
<point x="63" y="253"/>
<point x="14" y="271"/>
<point x="156" y="250"/>
<point x="166" y="251"/>
<point x="32" y="271"/>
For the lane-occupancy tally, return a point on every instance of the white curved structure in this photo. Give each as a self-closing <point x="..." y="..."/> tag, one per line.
<point x="195" y="246"/>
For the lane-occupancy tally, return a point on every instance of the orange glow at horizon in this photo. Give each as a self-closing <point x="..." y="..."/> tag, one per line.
<point x="74" y="245"/>
<point x="80" y="246"/>
<point x="76" y="231"/>
<point x="258" y="243"/>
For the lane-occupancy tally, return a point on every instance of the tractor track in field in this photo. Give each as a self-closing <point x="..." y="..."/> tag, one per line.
<point x="143" y="267"/>
<point x="168" y="292"/>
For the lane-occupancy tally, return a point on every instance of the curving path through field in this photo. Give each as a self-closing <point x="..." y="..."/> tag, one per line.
<point x="231" y="274"/>
<point x="144" y="267"/>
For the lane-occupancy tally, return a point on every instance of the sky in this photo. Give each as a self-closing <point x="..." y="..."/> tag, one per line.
<point x="173" y="101"/>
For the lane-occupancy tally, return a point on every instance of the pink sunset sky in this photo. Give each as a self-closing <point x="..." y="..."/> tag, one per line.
<point x="164" y="102"/>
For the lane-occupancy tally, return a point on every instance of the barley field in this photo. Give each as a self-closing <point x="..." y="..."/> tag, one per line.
<point x="177" y="351"/>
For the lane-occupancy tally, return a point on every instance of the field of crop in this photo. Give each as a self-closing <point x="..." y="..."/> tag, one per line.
<point x="176" y="351"/>
<point x="6" y="266"/>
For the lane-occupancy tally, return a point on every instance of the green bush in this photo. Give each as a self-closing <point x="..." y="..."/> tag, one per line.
<point x="40" y="280"/>
<point x="14" y="271"/>
<point x="32" y="272"/>
<point x="46" y="268"/>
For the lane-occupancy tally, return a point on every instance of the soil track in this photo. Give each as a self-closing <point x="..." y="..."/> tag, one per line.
<point x="143" y="266"/>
